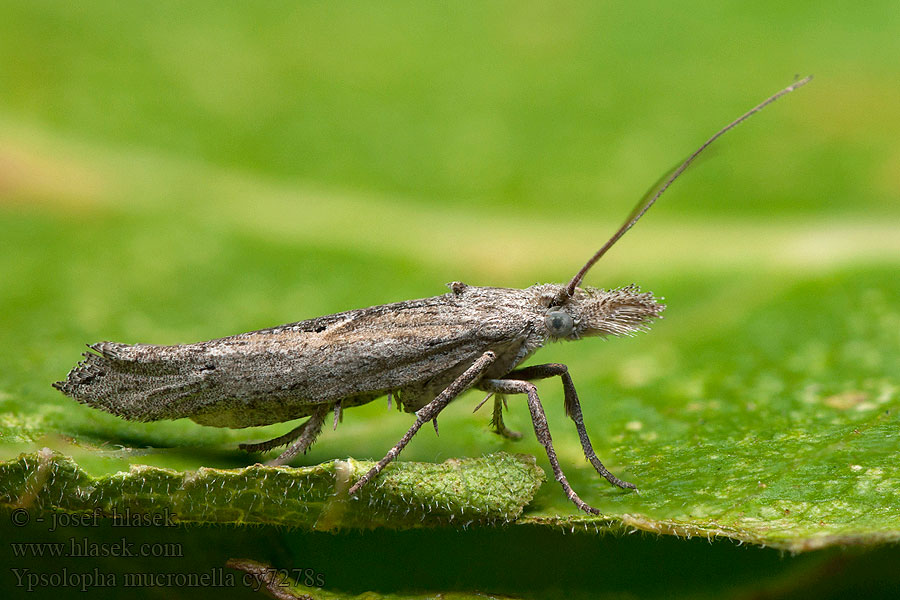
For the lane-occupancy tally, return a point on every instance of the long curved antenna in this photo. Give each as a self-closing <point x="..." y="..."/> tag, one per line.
<point x="656" y="191"/>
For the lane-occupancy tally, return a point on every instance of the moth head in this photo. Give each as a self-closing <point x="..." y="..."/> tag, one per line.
<point x="590" y="311"/>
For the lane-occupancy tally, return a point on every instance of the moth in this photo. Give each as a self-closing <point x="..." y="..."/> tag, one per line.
<point x="423" y="353"/>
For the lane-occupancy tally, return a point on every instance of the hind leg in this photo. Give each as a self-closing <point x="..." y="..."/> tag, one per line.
<point x="281" y="440"/>
<point x="300" y="438"/>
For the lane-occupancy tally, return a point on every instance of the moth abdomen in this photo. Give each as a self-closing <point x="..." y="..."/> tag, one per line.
<point x="117" y="381"/>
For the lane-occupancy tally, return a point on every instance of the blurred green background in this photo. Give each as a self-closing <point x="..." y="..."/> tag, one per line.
<point x="172" y="172"/>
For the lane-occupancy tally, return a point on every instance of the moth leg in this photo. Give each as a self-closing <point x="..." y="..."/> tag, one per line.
<point x="311" y="430"/>
<point x="281" y="440"/>
<point x="497" y="420"/>
<point x="573" y="410"/>
<point x="539" y="419"/>
<point x="429" y="412"/>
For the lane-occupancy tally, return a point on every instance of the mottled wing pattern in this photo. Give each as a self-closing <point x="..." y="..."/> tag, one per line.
<point x="279" y="374"/>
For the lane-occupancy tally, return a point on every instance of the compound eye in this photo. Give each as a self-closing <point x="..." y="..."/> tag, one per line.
<point x="559" y="323"/>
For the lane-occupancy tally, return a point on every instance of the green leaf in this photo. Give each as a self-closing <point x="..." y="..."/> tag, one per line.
<point x="457" y="492"/>
<point x="789" y="443"/>
<point x="169" y="175"/>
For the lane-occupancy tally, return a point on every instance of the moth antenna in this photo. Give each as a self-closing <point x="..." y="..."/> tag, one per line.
<point x="656" y="191"/>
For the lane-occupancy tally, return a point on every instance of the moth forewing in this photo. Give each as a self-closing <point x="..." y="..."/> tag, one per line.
<point x="422" y="352"/>
<point x="282" y="373"/>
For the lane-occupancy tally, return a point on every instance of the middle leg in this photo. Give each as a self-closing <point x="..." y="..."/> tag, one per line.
<point x="497" y="419"/>
<point x="429" y="412"/>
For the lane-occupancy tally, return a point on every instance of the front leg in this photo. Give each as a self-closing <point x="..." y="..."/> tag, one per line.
<point x="539" y="419"/>
<point x="573" y="410"/>
<point x="429" y="412"/>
